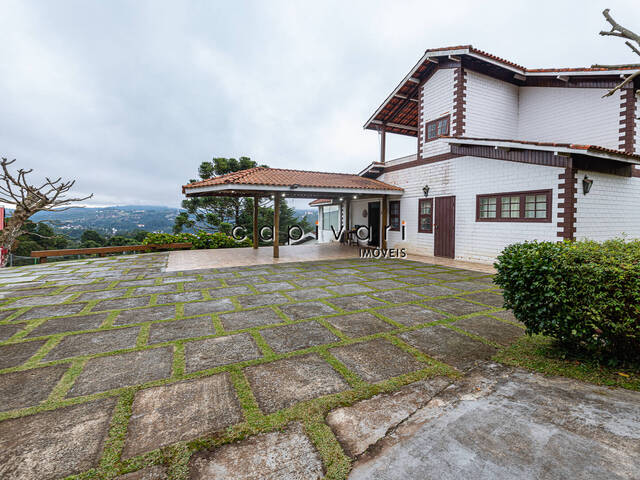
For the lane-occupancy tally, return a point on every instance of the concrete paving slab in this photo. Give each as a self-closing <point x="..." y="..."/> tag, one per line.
<point x="214" y="352"/>
<point x="230" y="291"/>
<point x="285" y="382"/>
<point x="312" y="282"/>
<point x="156" y="472"/>
<point x="309" y="294"/>
<point x="300" y="311"/>
<point x="355" y="302"/>
<point x="455" y="306"/>
<point x="363" y="424"/>
<point x="204" y="406"/>
<point x="468" y="285"/>
<point x="28" y="387"/>
<point x="210" y="306"/>
<point x="491" y="329"/>
<point x="180" y="329"/>
<point x="93" y="342"/>
<point x="179" y="297"/>
<point x="273" y="287"/>
<point x="8" y="331"/>
<point x="86" y="287"/>
<point x="449" y="346"/>
<point x="101" y="295"/>
<point x="434" y="291"/>
<point x="288" y="338"/>
<point x="411" y="315"/>
<point x="149" y="314"/>
<point x="283" y="455"/>
<point x="123" y="303"/>
<point x="500" y="423"/>
<point x="386" y="284"/>
<point x="376" y="360"/>
<point x="201" y="285"/>
<point x="261" y="300"/>
<point x="122" y="370"/>
<point x="51" y="311"/>
<point x="398" y="296"/>
<point x="506" y="315"/>
<point x="69" y="324"/>
<point x="349" y="289"/>
<point x="171" y="288"/>
<point x="249" y="318"/>
<point x="359" y="324"/>
<point x="488" y="298"/>
<point x="15" y="354"/>
<point x="54" y="444"/>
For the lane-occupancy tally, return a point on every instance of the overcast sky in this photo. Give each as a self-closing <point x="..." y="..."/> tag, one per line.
<point x="130" y="97"/>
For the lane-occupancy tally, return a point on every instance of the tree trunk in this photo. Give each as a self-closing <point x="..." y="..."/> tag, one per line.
<point x="12" y="230"/>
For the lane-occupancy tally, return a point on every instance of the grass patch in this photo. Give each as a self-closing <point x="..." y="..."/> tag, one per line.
<point x="542" y="354"/>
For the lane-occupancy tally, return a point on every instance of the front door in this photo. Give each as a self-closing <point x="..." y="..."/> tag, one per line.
<point x="373" y="213"/>
<point x="445" y="227"/>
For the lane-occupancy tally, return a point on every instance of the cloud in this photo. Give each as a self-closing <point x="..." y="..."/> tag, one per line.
<point x="129" y="97"/>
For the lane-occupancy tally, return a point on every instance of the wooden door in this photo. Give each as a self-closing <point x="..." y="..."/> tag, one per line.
<point x="374" y="223"/>
<point x="445" y="227"/>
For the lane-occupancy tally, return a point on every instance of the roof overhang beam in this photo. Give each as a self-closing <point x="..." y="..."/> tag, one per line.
<point x="312" y="192"/>
<point x="395" y="125"/>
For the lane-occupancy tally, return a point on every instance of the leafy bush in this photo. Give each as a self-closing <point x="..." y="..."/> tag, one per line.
<point x="585" y="294"/>
<point x="199" y="240"/>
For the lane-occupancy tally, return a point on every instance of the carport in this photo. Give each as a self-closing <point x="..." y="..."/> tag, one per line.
<point x="277" y="184"/>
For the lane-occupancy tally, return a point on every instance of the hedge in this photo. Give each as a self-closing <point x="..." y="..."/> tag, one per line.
<point x="585" y="294"/>
<point x="199" y="240"/>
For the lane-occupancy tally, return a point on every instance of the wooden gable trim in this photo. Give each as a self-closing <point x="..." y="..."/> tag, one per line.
<point x="420" y="161"/>
<point x="534" y="157"/>
<point x="627" y="120"/>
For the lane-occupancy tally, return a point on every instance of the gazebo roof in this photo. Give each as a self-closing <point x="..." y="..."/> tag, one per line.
<point x="296" y="183"/>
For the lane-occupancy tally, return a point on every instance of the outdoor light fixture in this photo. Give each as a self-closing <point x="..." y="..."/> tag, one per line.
<point x="341" y="198"/>
<point x="294" y="186"/>
<point x="272" y="197"/>
<point x="586" y="184"/>
<point x="425" y="190"/>
<point x="355" y="196"/>
<point x="282" y="195"/>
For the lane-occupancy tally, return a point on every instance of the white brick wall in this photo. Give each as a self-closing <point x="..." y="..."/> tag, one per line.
<point x="437" y="101"/>
<point x="610" y="209"/>
<point x="491" y="107"/>
<point x="574" y="115"/>
<point x="466" y="177"/>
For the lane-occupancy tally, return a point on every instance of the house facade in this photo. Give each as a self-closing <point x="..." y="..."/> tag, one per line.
<point x="504" y="154"/>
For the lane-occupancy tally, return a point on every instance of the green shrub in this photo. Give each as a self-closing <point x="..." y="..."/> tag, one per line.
<point x="199" y="240"/>
<point x="585" y="294"/>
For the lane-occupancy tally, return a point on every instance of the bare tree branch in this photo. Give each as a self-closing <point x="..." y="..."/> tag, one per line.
<point x="28" y="199"/>
<point x="621" y="85"/>
<point x="618" y="30"/>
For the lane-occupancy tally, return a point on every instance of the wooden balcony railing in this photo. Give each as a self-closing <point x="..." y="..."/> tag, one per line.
<point x="102" y="251"/>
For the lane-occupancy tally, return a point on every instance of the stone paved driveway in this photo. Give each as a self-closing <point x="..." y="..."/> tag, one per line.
<point x="115" y="368"/>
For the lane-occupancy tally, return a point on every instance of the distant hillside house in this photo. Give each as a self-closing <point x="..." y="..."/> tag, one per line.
<point x="504" y="154"/>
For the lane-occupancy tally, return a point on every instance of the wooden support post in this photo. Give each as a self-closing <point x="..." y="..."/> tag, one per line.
<point x="346" y="220"/>
<point x="255" y="221"/>
<point x="383" y="142"/>
<point x="384" y="222"/>
<point x="276" y="225"/>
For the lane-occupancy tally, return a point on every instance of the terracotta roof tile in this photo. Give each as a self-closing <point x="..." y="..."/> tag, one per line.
<point x="320" y="201"/>
<point x="285" y="178"/>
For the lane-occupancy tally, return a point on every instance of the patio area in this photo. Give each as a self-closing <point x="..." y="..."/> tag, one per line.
<point x="183" y="260"/>
<point x="230" y="372"/>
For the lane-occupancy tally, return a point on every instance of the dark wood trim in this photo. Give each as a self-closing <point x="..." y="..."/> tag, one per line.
<point x="534" y="157"/>
<point x="459" y="101"/>
<point x="383" y="229"/>
<point x="420" y="161"/>
<point x="521" y="218"/>
<point x="276" y="225"/>
<point x="420" y="128"/>
<point x="627" y="120"/>
<point x="567" y="201"/>
<point x="420" y="215"/>
<point x="635" y="172"/>
<point x="391" y="203"/>
<point x="435" y="121"/>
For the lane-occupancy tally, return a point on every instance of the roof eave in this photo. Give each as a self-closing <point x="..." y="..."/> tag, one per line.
<point x="287" y="188"/>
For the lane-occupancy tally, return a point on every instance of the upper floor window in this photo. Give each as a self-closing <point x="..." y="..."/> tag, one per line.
<point x="437" y="128"/>
<point x="425" y="215"/>
<point x="394" y="215"/>
<point x="533" y="206"/>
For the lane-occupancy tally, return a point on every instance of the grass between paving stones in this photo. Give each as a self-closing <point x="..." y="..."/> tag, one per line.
<point x="311" y="413"/>
<point x="541" y="354"/>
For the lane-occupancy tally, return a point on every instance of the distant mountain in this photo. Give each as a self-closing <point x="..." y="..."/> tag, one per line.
<point x="111" y="220"/>
<point x="310" y="213"/>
